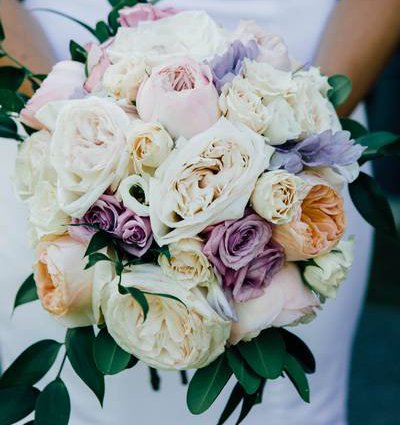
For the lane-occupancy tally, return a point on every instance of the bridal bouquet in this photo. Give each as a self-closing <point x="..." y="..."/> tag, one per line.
<point x="185" y="194"/>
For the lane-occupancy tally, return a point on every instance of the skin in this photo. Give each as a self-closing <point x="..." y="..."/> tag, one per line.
<point x="359" y="39"/>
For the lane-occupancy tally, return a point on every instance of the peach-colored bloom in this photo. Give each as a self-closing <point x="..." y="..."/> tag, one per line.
<point x="64" y="287"/>
<point x="318" y="226"/>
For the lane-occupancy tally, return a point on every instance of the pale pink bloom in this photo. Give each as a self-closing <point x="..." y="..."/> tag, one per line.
<point x="97" y="63"/>
<point x="131" y="16"/>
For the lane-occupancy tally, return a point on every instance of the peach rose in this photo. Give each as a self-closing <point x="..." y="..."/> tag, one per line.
<point x="318" y="225"/>
<point x="64" y="286"/>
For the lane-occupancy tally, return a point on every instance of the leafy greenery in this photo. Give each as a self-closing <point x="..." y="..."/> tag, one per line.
<point x="341" y="89"/>
<point x="248" y="379"/>
<point x="78" y="53"/>
<point x="32" y="365"/>
<point x="296" y="374"/>
<point x="140" y="297"/>
<point x="376" y="144"/>
<point x="100" y="240"/>
<point x="234" y="400"/>
<point x="10" y="101"/>
<point x="16" y="403"/>
<point x="53" y="405"/>
<point x="355" y="128"/>
<point x="27" y="292"/>
<point x="155" y="379"/>
<point x="8" y="128"/>
<point x="11" y="78"/>
<point x="95" y="258"/>
<point x="79" y="344"/>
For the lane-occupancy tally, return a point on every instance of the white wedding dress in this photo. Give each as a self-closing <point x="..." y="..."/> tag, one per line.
<point x="129" y="399"/>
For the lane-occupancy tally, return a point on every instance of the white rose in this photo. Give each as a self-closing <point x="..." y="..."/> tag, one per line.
<point x="149" y="145"/>
<point x="209" y="179"/>
<point x="239" y="102"/>
<point x="327" y="272"/>
<point x="313" y="74"/>
<point x="282" y="124"/>
<point x="276" y="196"/>
<point x="193" y="34"/>
<point x="174" y="336"/>
<point x="33" y="164"/>
<point x="122" y="79"/>
<point x="134" y="193"/>
<point x="45" y="215"/>
<point x="268" y="81"/>
<point x="89" y="152"/>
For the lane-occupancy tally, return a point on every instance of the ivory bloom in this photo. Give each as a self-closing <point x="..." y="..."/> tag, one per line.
<point x="174" y="336"/>
<point x="209" y="179"/>
<point x="64" y="287"/>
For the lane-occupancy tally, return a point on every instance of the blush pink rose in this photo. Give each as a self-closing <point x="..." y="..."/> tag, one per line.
<point x="97" y="64"/>
<point x="64" y="286"/>
<point x="65" y="81"/>
<point x="286" y="301"/>
<point x="131" y="16"/>
<point x="181" y="96"/>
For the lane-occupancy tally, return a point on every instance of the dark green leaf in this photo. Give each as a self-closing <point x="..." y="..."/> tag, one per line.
<point x="249" y="380"/>
<point x="16" y="403"/>
<point x="110" y="358"/>
<point x="2" y="35"/>
<point x="27" y="292"/>
<point x="133" y="361"/>
<point x="155" y="380"/>
<point x="11" y="77"/>
<point x="355" y="128"/>
<point x="53" y="406"/>
<point x="95" y="258"/>
<point x="376" y="143"/>
<point x="139" y="296"/>
<point x="113" y="2"/>
<point x="40" y="77"/>
<point x="372" y="204"/>
<point x="298" y="349"/>
<point x="102" y="31"/>
<point x="265" y="354"/>
<point x="114" y="14"/>
<point x="234" y="400"/>
<point x="78" y="53"/>
<point x="171" y="297"/>
<point x="10" y="101"/>
<point x="206" y="385"/>
<point x="8" y="128"/>
<point x="79" y="343"/>
<point x="184" y="377"/>
<point x="298" y="377"/>
<point x="32" y="365"/>
<point x="341" y="89"/>
<point x="249" y="401"/>
<point x="100" y="240"/>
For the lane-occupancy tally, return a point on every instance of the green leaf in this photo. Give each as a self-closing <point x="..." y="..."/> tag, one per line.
<point x="100" y="240"/>
<point x="355" y="128"/>
<point x="296" y="374"/>
<point x="133" y="361"/>
<point x="139" y="296"/>
<point x="26" y="293"/>
<point x="114" y="14"/>
<point x="233" y="402"/>
<point x="2" y="35"/>
<point x="265" y="354"/>
<point x="249" y="401"/>
<point x="16" y="403"/>
<point x="206" y="385"/>
<point x="11" y="77"/>
<point x="78" y="53"/>
<point x="184" y="377"/>
<point x="102" y="31"/>
<point x="10" y="101"/>
<point x="372" y="204"/>
<point x="32" y="365"/>
<point x="109" y="357"/>
<point x="341" y="89"/>
<point x="249" y="380"/>
<point x="155" y="379"/>
<point x="376" y="143"/>
<point x="79" y="343"/>
<point x="8" y="128"/>
<point x="53" y="406"/>
<point x="171" y="297"/>
<point x="95" y="258"/>
<point x="298" y="349"/>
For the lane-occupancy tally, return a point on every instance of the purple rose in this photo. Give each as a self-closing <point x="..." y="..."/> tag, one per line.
<point x="243" y="254"/>
<point x="135" y="233"/>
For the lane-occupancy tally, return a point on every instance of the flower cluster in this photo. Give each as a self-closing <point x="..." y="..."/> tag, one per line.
<point x="212" y="165"/>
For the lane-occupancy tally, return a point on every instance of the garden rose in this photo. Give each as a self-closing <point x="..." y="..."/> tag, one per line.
<point x="64" y="286"/>
<point x="89" y="152"/>
<point x="276" y="196"/>
<point x="285" y="301"/>
<point x="134" y="193"/>
<point x="209" y="179"/>
<point x="131" y="16"/>
<point x="327" y="272"/>
<point x="174" y="336"/>
<point x="318" y="225"/>
<point x="149" y="145"/>
<point x="65" y="81"/>
<point x="181" y="96"/>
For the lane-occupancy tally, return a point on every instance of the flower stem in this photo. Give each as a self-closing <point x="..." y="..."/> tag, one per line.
<point x="62" y="365"/>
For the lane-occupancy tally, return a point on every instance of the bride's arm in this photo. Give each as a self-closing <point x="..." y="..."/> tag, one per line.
<point x="24" y="38"/>
<point x="359" y="39"/>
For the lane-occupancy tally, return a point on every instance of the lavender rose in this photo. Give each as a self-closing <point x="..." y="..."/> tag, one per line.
<point x="135" y="233"/>
<point x="243" y="254"/>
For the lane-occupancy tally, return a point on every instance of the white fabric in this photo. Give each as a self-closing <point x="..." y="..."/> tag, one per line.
<point x="128" y="397"/>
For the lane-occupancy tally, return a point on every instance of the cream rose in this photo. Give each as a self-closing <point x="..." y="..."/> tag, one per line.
<point x="286" y="301"/>
<point x="174" y="336"/>
<point x="134" y="193"/>
<point x="276" y="196"/>
<point x="122" y="79"/>
<point x="239" y="102"/>
<point x="149" y="145"/>
<point x="64" y="287"/>
<point x="327" y="272"/>
<point x="208" y="180"/>
<point x="89" y="152"/>
<point x="33" y="164"/>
